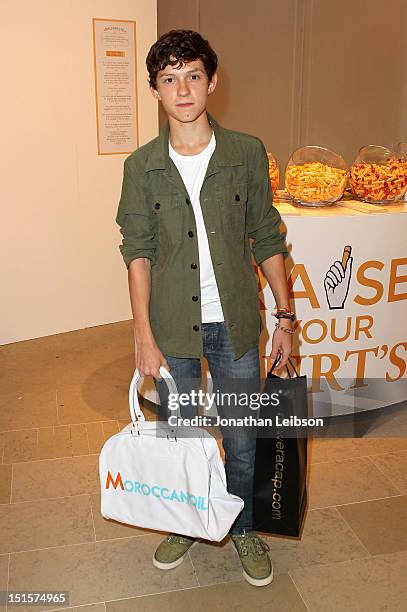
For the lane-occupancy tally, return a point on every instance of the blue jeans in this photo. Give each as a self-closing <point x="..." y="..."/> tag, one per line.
<point x="239" y="443"/>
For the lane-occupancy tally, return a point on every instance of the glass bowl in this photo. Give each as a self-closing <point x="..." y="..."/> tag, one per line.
<point x="274" y="172"/>
<point x="315" y="176"/>
<point x="402" y="150"/>
<point x="378" y="175"/>
<point x="402" y="154"/>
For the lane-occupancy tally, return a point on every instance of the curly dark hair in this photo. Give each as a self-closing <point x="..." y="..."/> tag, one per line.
<point x="183" y="46"/>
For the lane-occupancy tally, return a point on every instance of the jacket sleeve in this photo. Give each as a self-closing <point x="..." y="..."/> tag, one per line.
<point x="134" y="218"/>
<point x="263" y="219"/>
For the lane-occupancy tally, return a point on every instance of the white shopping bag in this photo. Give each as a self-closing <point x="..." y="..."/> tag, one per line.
<point x="169" y="479"/>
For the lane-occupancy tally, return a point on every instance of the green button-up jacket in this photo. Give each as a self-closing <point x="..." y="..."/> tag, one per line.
<point x="157" y="221"/>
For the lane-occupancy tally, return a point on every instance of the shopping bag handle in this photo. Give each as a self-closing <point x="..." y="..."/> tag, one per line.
<point x="277" y="359"/>
<point x="135" y="410"/>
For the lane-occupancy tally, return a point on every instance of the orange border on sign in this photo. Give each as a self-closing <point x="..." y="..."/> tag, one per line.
<point x="94" y="19"/>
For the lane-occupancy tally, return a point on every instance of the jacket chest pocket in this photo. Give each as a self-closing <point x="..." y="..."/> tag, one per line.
<point x="233" y="200"/>
<point x="167" y="216"/>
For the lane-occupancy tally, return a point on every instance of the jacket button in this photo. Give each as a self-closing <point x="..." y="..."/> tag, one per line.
<point x="237" y="197"/>
<point x="196" y="328"/>
<point x="190" y="233"/>
<point x="194" y="298"/>
<point x="187" y="200"/>
<point x="194" y="266"/>
<point x="157" y="205"/>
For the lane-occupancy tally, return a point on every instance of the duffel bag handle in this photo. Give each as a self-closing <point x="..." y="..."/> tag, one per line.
<point x="135" y="410"/>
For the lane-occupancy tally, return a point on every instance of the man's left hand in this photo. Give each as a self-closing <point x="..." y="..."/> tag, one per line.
<point x="282" y="343"/>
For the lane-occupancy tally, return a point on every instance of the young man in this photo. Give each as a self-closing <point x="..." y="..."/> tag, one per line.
<point x="192" y="199"/>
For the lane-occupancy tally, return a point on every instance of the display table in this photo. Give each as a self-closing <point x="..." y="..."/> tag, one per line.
<point x="353" y="349"/>
<point x="350" y="341"/>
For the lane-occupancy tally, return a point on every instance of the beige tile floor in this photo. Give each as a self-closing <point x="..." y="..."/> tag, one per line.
<point x="62" y="396"/>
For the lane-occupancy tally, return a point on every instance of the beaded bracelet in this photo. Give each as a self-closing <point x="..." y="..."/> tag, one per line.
<point x="285" y="329"/>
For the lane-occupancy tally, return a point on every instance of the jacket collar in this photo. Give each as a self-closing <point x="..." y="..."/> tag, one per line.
<point x="225" y="153"/>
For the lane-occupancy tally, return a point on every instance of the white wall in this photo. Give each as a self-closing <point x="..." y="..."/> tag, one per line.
<point x="60" y="263"/>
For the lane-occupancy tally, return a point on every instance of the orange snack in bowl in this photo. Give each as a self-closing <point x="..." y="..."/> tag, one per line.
<point x="315" y="182"/>
<point x="379" y="182"/>
<point x="274" y="173"/>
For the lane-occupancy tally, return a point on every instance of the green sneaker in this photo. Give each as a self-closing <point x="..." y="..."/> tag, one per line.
<point x="256" y="562"/>
<point x="171" y="551"/>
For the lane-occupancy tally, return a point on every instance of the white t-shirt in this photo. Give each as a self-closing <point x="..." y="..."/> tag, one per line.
<point x="192" y="169"/>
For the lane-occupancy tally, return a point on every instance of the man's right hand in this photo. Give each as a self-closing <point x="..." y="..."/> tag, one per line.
<point x="149" y="359"/>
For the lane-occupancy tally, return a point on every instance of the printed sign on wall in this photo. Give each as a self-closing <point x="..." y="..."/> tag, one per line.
<point x="114" y="49"/>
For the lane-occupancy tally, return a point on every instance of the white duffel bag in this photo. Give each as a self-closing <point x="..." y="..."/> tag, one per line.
<point x="169" y="479"/>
